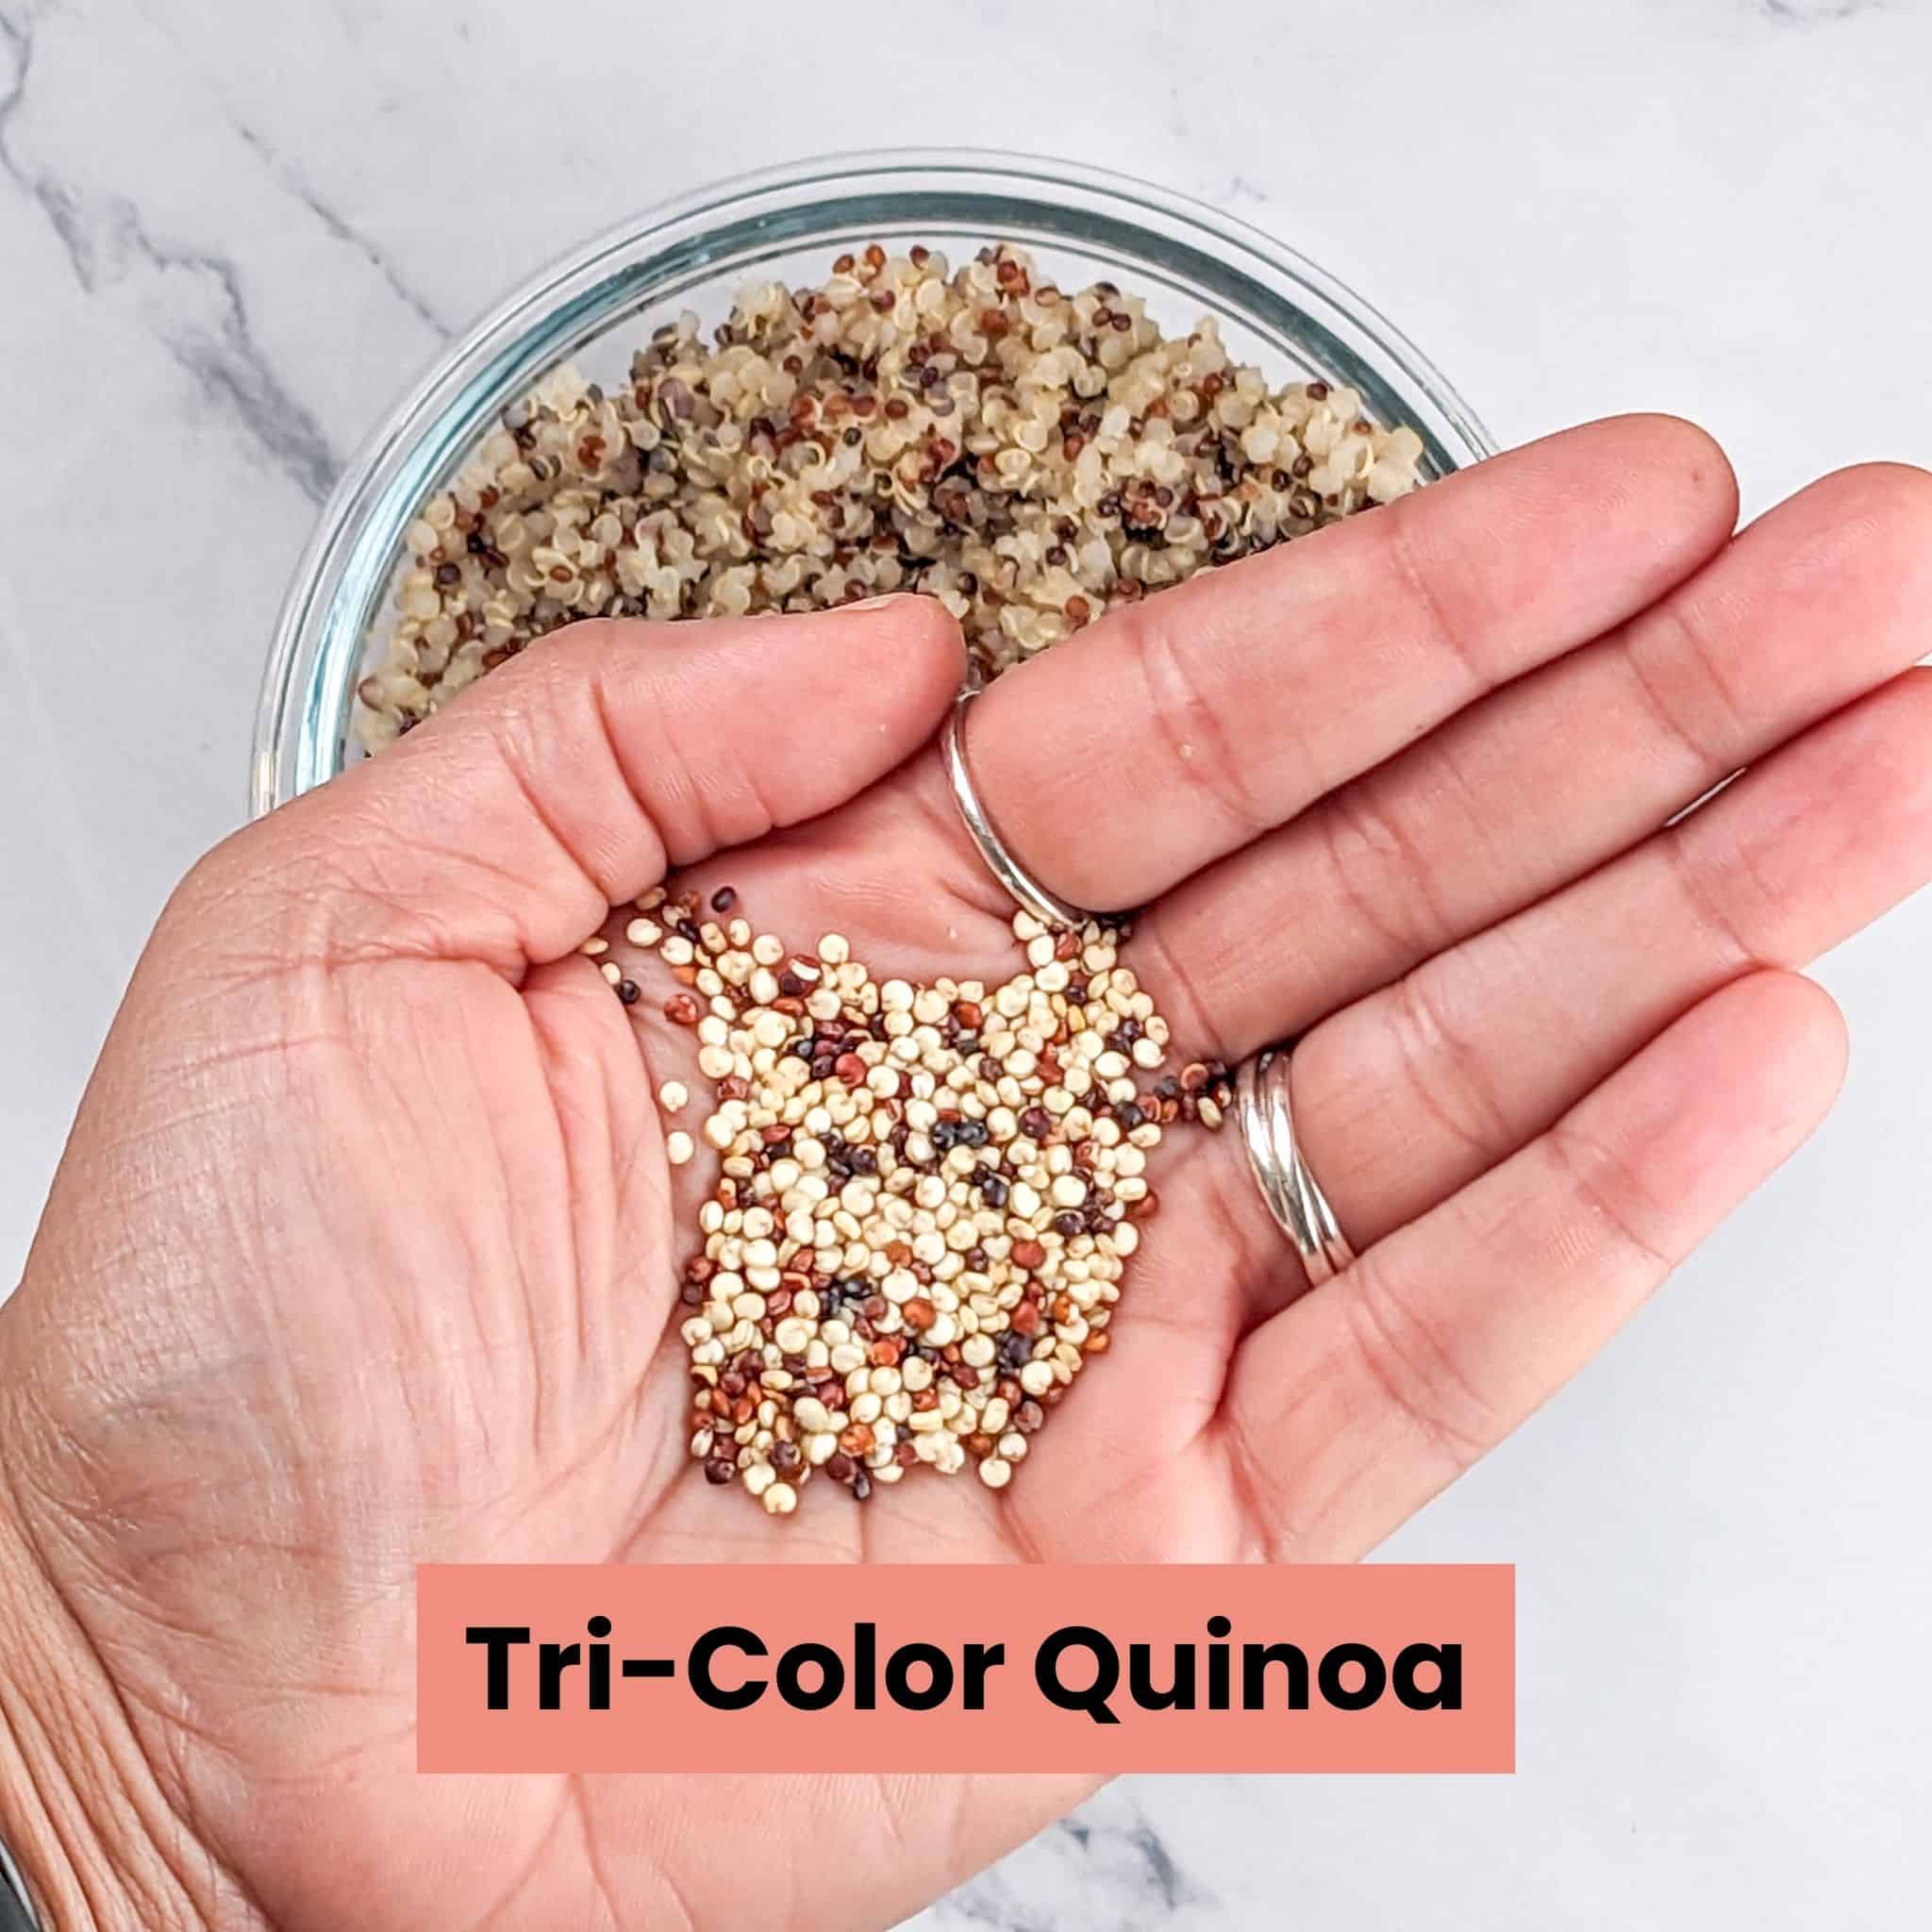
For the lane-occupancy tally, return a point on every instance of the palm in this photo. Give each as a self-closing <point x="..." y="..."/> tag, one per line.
<point x="1542" y="1069"/>
<point x="1124" y="1471"/>
<point x="519" y="1393"/>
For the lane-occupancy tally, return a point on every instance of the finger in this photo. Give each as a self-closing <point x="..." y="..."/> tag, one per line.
<point x="1347" y="1412"/>
<point x="1406" y="1097"/>
<point x="1818" y="602"/>
<point x="1176" y="730"/>
<point x="571" y="779"/>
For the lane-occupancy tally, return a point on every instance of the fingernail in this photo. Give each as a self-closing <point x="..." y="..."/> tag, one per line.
<point x="879" y="603"/>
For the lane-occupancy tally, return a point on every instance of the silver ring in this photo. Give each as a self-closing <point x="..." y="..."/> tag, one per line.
<point x="1292" y="1194"/>
<point x="1026" y="889"/>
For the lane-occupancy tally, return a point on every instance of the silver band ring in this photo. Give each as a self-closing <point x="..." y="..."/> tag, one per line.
<point x="1026" y="889"/>
<point x="1293" y="1196"/>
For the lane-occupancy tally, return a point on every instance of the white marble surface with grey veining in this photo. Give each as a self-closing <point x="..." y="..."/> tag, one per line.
<point x="230" y="233"/>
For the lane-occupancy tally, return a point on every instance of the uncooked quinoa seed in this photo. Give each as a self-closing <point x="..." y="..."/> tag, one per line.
<point x="1030" y="458"/>
<point x="927" y="1196"/>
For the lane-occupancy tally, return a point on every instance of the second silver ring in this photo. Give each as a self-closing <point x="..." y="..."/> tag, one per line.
<point x="1294" y="1198"/>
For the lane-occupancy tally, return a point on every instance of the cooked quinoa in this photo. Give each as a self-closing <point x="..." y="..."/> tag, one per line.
<point x="1030" y="458"/>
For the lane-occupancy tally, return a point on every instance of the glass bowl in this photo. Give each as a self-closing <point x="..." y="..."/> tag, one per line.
<point x="1275" y="309"/>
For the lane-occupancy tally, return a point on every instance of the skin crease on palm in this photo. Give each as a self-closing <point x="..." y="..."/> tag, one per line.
<point x="363" y="1250"/>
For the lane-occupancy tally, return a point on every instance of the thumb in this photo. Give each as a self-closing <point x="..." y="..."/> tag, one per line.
<point x="574" y="777"/>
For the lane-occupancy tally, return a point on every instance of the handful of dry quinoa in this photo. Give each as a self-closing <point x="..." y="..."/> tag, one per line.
<point x="1029" y="456"/>
<point x="929" y="1196"/>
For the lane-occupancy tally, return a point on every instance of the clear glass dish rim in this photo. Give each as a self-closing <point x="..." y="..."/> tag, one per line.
<point x="303" y="708"/>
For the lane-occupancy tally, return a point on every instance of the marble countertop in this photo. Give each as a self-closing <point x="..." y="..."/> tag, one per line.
<point x="230" y="234"/>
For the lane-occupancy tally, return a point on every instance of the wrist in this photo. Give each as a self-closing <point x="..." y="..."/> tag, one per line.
<point x="88" y="1825"/>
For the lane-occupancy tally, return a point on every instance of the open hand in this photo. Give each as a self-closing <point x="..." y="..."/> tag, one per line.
<point x="365" y="1249"/>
